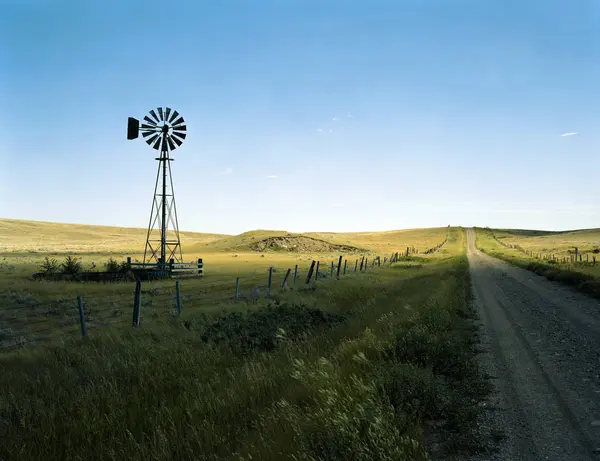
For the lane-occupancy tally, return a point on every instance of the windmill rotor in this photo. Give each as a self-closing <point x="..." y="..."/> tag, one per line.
<point x="162" y="129"/>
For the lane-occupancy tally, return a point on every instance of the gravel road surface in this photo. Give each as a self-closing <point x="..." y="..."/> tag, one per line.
<point x="541" y="344"/>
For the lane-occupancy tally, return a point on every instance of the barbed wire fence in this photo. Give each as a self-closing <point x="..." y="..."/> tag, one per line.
<point x="573" y="257"/>
<point x="34" y="323"/>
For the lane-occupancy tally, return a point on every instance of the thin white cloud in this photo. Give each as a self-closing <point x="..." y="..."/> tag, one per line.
<point x="571" y="133"/>
<point x="349" y="115"/>
<point x="226" y="172"/>
<point x="335" y="119"/>
<point x="338" y="205"/>
<point x="272" y="176"/>
<point x="331" y="131"/>
<point x="320" y="130"/>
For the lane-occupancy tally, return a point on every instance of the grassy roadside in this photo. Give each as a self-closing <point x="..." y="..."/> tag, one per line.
<point x="377" y="367"/>
<point x="584" y="282"/>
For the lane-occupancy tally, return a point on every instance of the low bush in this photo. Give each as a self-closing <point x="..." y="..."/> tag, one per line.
<point x="71" y="266"/>
<point x="262" y="330"/>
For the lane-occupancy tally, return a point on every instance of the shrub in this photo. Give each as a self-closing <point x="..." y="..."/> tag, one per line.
<point x="71" y="266"/>
<point x="49" y="266"/>
<point x="112" y="265"/>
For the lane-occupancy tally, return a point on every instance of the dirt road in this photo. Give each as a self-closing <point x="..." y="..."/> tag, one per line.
<point x="542" y="348"/>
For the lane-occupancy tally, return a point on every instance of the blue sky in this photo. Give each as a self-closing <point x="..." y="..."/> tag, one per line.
<point x="305" y="115"/>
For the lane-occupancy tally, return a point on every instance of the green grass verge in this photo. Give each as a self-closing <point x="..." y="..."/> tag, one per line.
<point x="380" y="367"/>
<point x="583" y="282"/>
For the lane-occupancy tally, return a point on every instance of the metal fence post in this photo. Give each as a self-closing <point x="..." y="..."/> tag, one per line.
<point x="178" y="296"/>
<point x="285" y="279"/>
<point x="81" y="316"/>
<point x="270" y="281"/>
<point x="339" y="267"/>
<point x="295" y="274"/>
<point x="137" y="303"/>
<point x="345" y="264"/>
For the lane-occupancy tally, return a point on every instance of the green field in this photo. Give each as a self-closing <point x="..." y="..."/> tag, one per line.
<point x="551" y="254"/>
<point x="42" y="311"/>
<point x="376" y="365"/>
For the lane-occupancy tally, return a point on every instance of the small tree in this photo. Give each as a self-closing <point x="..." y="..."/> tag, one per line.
<point x="71" y="266"/>
<point x="112" y="265"/>
<point x="49" y="266"/>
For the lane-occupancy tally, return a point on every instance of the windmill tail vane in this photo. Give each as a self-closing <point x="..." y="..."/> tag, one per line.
<point x="165" y="131"/>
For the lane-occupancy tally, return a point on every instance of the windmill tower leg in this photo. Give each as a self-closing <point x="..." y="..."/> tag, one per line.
<point x="164" y="223"/>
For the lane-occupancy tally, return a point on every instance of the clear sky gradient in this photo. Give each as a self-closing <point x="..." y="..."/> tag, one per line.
<point x="305" y="115"/>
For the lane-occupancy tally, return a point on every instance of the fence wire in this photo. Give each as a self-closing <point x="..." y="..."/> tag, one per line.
<point x="27" y="321"/>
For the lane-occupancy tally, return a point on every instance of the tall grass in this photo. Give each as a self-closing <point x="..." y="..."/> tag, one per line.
<point x="359" y="370"/>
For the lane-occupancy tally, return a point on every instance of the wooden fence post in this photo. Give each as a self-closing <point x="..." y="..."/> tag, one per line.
<point x="317" y="271"/>
<point x="137" y="303"/>
<point x="81" y="316"/>
<point x="366" y="263"/>
<point x="178" y="296"/>
<point x="356" y="265"/>
<point x="331" y="272"/>
<point x="295" y="274"/>
<point x="270" y="281"/>
<point x="345" y="264"/>
<point x="339" y="268"/>
<point x="200" y="266"/>
<point x="128" y="262"/>
<point x="237" y="288"/>
<point x="285" y="279"/>
<point x="362" y="261"/>
<point x="310" y="272"/>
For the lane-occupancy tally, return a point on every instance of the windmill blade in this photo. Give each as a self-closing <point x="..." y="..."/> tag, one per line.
<point x="167" y="113"/>
<point x="160" y="114"/>
<point x="152" y="139"/>
<point x="181" y="135"/>
<point x="178" y="141"/>
<point x="150" y="121"/>
<point x="145" y="134"/>
<point x="175" y="114"/>
<point x="157" y="143"/>
<point x="180" y="128"/>
<point x="154" y="116"/>
<point x="179" y="121"/>
<point x="171" y="145"/>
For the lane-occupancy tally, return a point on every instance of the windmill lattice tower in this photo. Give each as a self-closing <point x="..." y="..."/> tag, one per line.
<point x="163" y="130"/>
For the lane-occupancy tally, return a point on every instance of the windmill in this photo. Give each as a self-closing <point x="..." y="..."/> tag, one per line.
<point x="163" y="130"/>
